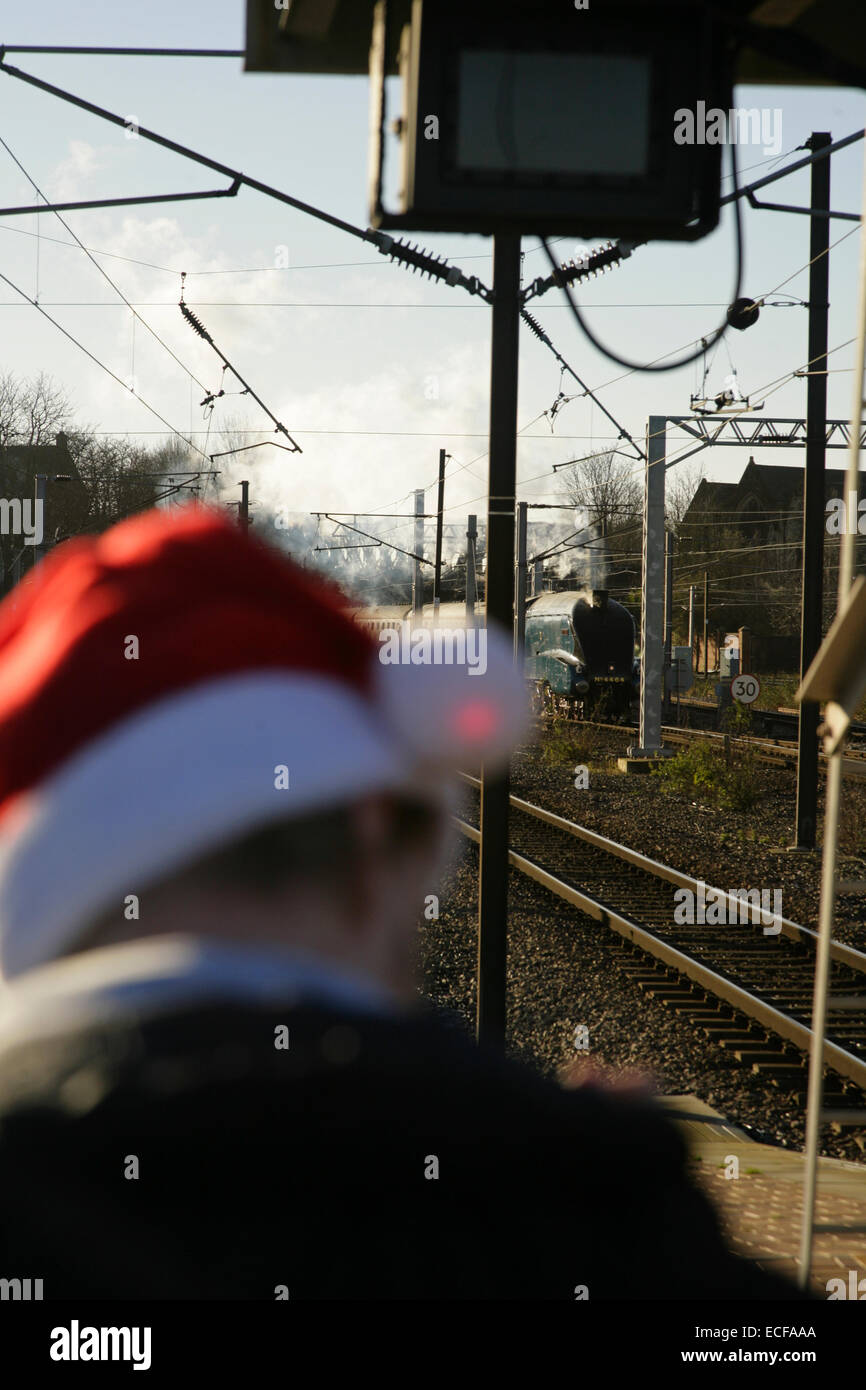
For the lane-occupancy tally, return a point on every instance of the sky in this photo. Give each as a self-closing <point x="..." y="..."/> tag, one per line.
<point x="371" y="369"/>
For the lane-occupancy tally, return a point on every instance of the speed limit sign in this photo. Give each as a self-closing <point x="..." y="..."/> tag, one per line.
<point x="745" y="688"/>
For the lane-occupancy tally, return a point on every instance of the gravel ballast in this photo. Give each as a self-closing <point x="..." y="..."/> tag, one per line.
<point x="564" y="969"/>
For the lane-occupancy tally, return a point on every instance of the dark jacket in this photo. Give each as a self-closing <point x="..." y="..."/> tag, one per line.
<point x="374" y="1158"/>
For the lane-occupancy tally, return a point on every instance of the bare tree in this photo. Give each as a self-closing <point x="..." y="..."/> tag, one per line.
<point x="681" y="484"/>
<point x="31" y="412"/>
<point x="114" y="473"/>
<point x="235" y="433"/>
<point x="608" y="488"/>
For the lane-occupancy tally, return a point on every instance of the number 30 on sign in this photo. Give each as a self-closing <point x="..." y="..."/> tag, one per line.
<point x="745" y="688"/>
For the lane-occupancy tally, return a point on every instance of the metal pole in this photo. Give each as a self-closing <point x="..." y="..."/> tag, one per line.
<point x="706" y="625"/>
<point x="652" y="606"/>
<point x="418" y="546"/>
<point x="471" y="585"/>
<point x="520" y="582"/>
<point x="40" y="481"/>
<point x="499" y="591"/>
<point x="244" y="511"/>
<point x="669" y="612"/>
<point x="691" y="617"/>
<point x="819" y="1013"/>
<point x="813" y="497"/>
<point x="440" y="507"/>
<point x="847" y="557"/>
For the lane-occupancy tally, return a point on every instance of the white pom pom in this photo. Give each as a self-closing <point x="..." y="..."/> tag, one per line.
<point x="452" y="696"/>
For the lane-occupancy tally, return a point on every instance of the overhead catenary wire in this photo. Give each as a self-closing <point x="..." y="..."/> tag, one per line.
<point x="412" y="256"/>
<point x="200" y="329"/>
<point x="543" y="337"/>
<point x="344" y="304"/>
<point x="59" y="326"/>
<point x="710" y="339"/>
<point x="80" y="50"/>
<point x="366" y="234"/>
<point x="588" y="266"/>
<point x="104" y="273"/>
<point x="763" y="392"/>
<point x="281" y="270"/>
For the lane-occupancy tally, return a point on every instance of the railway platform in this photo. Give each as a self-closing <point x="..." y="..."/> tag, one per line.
<point x="761" y="1208"/>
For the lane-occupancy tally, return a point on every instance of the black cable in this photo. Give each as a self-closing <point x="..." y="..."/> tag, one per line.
<point x="202" y="332"/>
<point x="543" y="337"/>
<point x="94" y="358"/>
<point x="103" y="273"/>
<point x="126" y="52"/>
<point x="705" y="342"/>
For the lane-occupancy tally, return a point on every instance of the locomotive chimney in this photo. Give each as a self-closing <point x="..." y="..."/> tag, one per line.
<point x="599" y="599"/>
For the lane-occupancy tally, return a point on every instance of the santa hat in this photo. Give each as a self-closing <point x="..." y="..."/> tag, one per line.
<point x="172" y="684"/>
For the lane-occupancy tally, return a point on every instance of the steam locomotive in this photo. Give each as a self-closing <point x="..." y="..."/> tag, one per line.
<point x="579" y="648"/>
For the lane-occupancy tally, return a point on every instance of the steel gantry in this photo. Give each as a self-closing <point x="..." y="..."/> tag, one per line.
<point x="790" y="433"/>
<point x="748" y="434"/>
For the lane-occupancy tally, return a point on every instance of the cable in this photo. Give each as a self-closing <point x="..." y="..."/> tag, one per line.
<point x="330" y="303"/>
<point x="477" y="459"/>
<point x="95" y="359"/>
<point x="830" y="248"/>
<point x="762" y="394"/>
<point x="202" y="332"/>
<point x="102" y="272"/>
<point x="274" y="270"/>
<point x="772" y="159"/>
<point x="706" y="343"/>
<point x="124" y="52"/>
<point x="383" y="434"/>
<point x="566" y="367"/>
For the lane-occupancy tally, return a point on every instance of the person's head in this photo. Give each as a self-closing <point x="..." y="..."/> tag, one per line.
<point x="345" y="886"/>
<point x="196" y="737"/>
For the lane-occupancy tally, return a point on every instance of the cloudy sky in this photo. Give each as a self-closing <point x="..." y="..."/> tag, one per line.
<point x="370" y="368"/>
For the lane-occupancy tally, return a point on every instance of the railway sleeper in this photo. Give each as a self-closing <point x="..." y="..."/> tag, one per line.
<point x="785" y="1075"/>
<point x="702" y="1019"/>
<point x="700" y="1011"/>
<point x="760" y="1060"/>
<point x="666" y="990"/>
<point x="739" y="1026"/>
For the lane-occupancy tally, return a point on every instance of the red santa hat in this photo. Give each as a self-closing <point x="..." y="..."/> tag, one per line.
<point x="170" y="685"/>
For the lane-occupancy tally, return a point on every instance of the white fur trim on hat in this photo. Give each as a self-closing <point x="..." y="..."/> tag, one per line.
<point x="197" y="769"/>
<point x="171" y="782"/>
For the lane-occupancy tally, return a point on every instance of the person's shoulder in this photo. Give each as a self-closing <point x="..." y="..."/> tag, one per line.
<point x="419" y="1061"/>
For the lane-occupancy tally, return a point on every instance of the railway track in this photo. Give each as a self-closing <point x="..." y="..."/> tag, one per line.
<point x="780" y="724"/>
<point x="749" y="992"/>
<point x="777" y="752"/>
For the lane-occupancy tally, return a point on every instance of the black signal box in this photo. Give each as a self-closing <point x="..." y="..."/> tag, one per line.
<point x="547" y="118"/>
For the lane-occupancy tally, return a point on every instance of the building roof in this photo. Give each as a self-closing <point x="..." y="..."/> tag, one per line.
<point x="779" y="484"/>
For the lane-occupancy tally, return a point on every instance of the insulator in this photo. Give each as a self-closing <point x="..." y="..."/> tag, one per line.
<point x="423" y="261"/>
<point x="535" y="326"/>
<point x="194" y="322"/>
